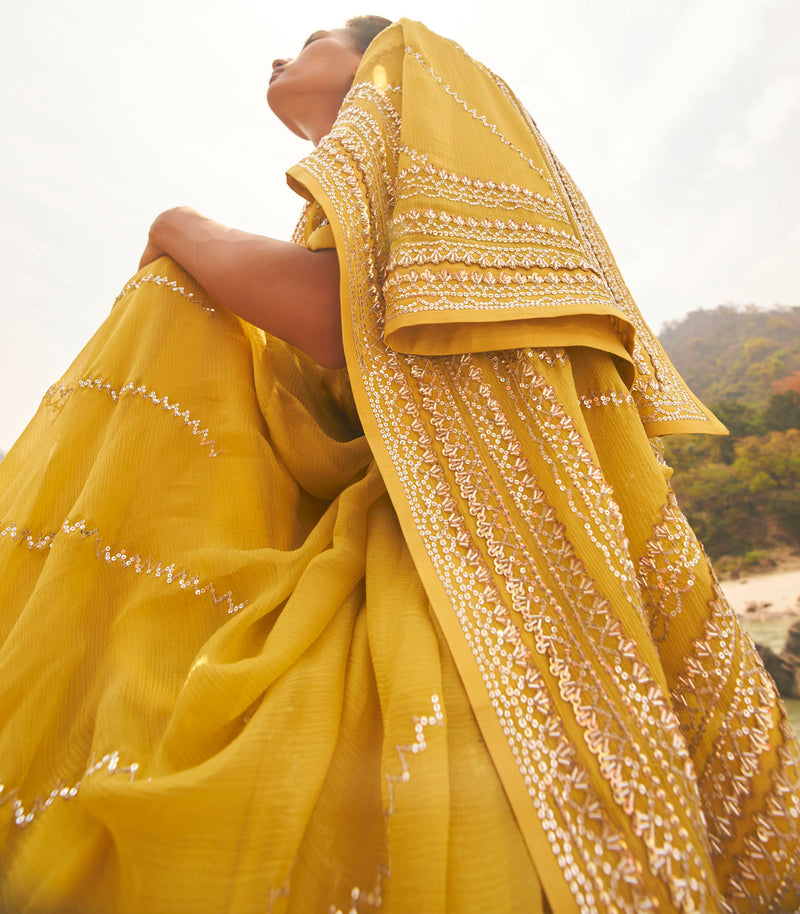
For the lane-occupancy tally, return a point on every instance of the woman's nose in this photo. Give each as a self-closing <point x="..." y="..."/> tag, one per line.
<point x="279" y="62"/>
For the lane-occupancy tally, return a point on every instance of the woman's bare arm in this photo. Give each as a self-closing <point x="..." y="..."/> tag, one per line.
<point x="287" y="290"/>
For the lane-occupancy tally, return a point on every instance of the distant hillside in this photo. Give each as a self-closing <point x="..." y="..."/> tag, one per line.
<point x="734" y="353"/>
<point x="741" y="493"/>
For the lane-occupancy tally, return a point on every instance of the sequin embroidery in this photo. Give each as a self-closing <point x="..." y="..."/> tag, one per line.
<point x="170" y="573"/>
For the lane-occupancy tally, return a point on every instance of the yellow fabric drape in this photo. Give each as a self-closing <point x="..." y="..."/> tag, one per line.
<point x="255" y="660"/>
<point x="485" y="242"/>
<point x="221" y="688"/>
<point x="632" y="725"/>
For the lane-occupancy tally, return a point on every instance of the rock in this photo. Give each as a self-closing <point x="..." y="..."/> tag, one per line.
<point x="755" y="606"/>
<point x="793" y="640"/>
<point x="784" y="669"/>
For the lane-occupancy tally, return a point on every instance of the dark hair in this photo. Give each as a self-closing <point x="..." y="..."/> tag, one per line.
<point x="365" y="28"/>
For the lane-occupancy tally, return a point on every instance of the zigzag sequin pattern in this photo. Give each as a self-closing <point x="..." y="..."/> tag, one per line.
<point x="130" y="389"/>
<point x="170" y="573"/>
<point x="23" y="816"/>
<point x="167" y="283"/>
<point x="405" y="752"/>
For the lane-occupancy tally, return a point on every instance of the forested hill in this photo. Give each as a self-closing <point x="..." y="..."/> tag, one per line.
<point x="741" y="493"/>
<point x="733" y="353"/>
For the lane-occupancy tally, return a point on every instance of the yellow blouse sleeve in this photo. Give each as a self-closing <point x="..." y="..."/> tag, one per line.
<point x="321" y="238"/>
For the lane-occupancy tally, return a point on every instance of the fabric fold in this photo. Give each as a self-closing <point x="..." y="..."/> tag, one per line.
<point x="482" y="241"/>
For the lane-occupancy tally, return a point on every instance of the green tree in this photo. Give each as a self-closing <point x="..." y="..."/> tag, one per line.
<point x="782" y="411"/>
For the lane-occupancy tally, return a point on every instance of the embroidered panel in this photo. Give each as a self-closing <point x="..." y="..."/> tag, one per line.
<point x="572" y="816"/>
<point x="666" y="571"/>
<point x="557" y="632"/>
<point x="409" y="291"/>
<point x="767" y="875"/>
<point x="569" y="809"/>
<point x="473" y="447"/>
<point x="725" y="697"/>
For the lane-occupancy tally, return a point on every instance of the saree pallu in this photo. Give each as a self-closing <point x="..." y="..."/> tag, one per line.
<point x="508" y="386"/>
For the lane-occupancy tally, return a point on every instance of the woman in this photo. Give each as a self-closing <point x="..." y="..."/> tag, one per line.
<point x="471" y="659"/>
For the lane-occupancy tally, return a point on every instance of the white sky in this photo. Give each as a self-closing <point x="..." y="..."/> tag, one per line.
<point x="679" y="119"/>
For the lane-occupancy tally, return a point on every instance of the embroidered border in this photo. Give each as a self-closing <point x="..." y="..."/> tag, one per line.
<point x="666" y="571"/>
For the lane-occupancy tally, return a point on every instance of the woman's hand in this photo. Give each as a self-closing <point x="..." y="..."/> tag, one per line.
<point x="284" y="288"/>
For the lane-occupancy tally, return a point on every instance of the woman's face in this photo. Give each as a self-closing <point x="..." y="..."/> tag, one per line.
<point x="307" y="91"/>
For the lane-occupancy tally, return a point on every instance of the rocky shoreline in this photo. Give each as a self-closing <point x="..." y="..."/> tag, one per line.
<point x="784" y="666"/>
<point x="773" y="598"/>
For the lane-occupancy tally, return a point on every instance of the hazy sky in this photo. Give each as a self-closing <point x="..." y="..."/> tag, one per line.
<point x="679" y="119"/>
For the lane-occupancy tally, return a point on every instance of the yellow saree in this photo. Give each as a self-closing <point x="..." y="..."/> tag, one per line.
<point x="441" y="643"/>
<point x="639" y="742"/>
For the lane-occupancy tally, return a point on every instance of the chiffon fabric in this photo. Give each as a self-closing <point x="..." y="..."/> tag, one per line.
<point x="218" y="666"/>
<point x="426" y="635"/>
